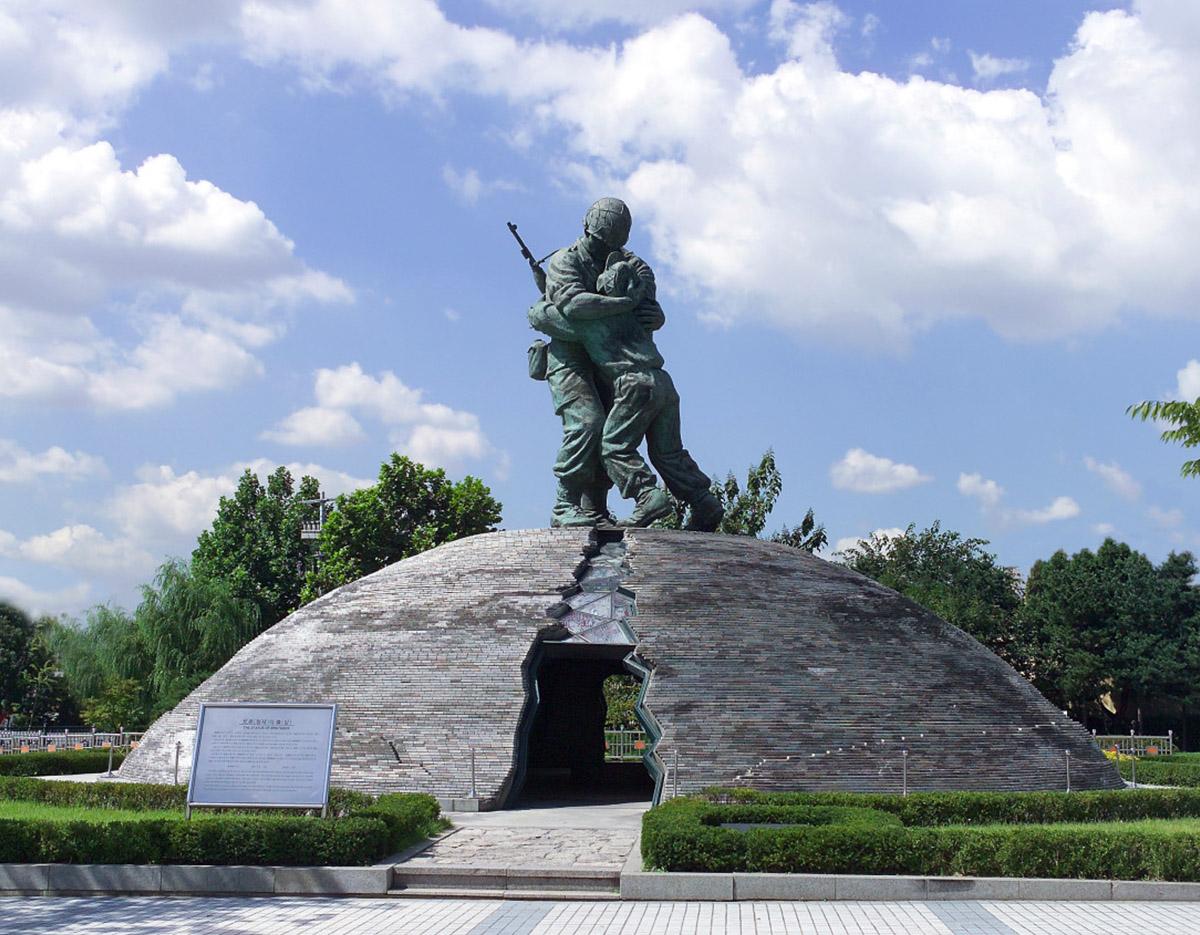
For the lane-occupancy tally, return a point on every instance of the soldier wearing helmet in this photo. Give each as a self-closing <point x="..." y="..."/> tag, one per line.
<point x="579" y="399"/>
<point x="600" y="309"/>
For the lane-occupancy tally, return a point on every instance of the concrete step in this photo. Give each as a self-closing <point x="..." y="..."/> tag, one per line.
<point x="426" y="892"/>
<point x="510" y="882"/>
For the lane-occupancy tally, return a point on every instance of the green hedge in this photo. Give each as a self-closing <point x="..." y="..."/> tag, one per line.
<point x="216" y="839"/>
<point x="685" y="834"/>
<point x="1179" y="758"/>
<point x="93" y="794"/>
<point x="138" y="795"/>
<point x="408" y="817"/>
<point x="1164" y="771"/>
<point x="367" y="834"/>
<point x="989" y="808"/>
<point x="59" y="763"/>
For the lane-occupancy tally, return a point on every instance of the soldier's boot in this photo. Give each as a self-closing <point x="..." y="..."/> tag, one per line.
<point x="568" y="511"/>
<point x="575" y="516"/>
<point x="652" y="504"/>
<point x="594" y="503"/>
<point x="707" y="514"/>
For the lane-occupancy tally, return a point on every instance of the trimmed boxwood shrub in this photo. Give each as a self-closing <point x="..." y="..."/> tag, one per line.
<point x="819" y="837"/>
<point x="408" y="817"/>
<point x="363" y="830"/>
<point x="93" y="794"/>
<point x="686" y="834"/>
<point x="59" y="763"/>
<point x="140" y="795"/>
<point x="215" y="839"/>
<point x="989" y="808"/>
<point x="263" y="839"/>
<point x="1164" y="770"/>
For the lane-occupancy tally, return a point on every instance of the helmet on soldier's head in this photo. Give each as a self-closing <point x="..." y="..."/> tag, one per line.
<point x="610" y="220"/>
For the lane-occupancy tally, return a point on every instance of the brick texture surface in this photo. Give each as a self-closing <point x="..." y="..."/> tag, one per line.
<point x="770" y="668"/>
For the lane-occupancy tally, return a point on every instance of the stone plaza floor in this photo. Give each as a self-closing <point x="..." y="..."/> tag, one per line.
<point x="312" y="916"/>
<point x="549" y="835"/>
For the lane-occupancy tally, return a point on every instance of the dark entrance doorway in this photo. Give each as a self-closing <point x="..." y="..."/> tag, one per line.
<point x="565" y="753"/>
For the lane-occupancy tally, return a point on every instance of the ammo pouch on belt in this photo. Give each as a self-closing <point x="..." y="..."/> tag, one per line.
<point x="537" y="360"/>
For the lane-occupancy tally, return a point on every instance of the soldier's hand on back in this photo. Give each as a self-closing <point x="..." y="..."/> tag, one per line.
<point x="648" y="316"/>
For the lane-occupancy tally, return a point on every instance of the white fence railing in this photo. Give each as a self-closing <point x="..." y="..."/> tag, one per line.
<point x="625" y="746"/>
<point x="1138" y="744"/>
<point x="32" y="741"/>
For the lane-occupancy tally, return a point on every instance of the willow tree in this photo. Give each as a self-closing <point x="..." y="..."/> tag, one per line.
<point x="185" y="628"/>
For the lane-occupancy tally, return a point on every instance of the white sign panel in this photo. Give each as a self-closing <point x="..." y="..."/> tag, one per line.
<point x="262" y="754"/>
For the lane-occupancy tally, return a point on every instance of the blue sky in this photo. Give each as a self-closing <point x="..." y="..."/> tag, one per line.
<point x="928" y="252"/>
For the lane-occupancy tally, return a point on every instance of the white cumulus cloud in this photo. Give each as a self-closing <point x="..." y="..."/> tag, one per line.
<point x="562" y="15"/>
<point x="1043" y="214"/>
<point x="987" y="492"/>
<point x="1116" y="478"/>
<point x="1058" y="509"/>
<point x="990" y="67"/>
<point x="164" y="506"/>
<point x="82" y="548"/>
<point x="37" y="601"/>
<point x="989" y="495"/>
<point x="1167" y="518"/>
<point x="76" y="228"/>
<point x="317" y="425"/>
<point x="122" y="287"/>
<point x="17" y="465"/>
<point x="432" y="433"/>
<point x="171" y="509"/>
<point x="1187" y="381"/>
<point x="862" y="472"/>
<point x="469" y="186"/>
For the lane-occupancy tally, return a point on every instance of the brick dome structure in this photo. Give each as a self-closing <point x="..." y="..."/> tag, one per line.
<point x="762" y="666"/>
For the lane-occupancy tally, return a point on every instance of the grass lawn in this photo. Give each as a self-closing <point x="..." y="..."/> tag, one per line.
<point x="42" y="812"/>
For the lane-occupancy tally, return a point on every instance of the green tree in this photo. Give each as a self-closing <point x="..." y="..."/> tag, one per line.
<point x="1184" y="419"/>
<point x="32" y="690"/>
<point x="748" y="506"/>
<point x="190" y="625"/>
<point x="747" y="509"/>
<point x="620" y="697"/>
<point x="185" y="628"/>
<point x="410" y="509"/>
<point x="956" y="578"/>
<point x="16" y="633"/>
<point x="808" y="536"/>
<point x="254" y="543"/>
<point x="45" y="698"/>
<point x="120" y="705"/>
<point x="1112" y="632"/>
<point x="104" y="647"/>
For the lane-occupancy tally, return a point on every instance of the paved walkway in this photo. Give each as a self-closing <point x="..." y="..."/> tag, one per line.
<point x="229" y="916"/>
<point x="543" y="836"/>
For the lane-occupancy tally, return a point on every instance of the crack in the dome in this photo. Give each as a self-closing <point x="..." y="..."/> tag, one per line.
<point x="598" y="610"/>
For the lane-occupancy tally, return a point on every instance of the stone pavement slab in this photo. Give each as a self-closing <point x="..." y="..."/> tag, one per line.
<point x="544" y="836"/>
<point x="329" y="916"/>
<point x="540" y="848"/>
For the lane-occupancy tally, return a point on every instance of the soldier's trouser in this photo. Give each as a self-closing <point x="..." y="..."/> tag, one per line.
<point x="646" y="405"/>
<point x="581" y="407"/>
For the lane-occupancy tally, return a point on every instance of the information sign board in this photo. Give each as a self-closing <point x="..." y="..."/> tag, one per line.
<point x="265" y="755"/>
